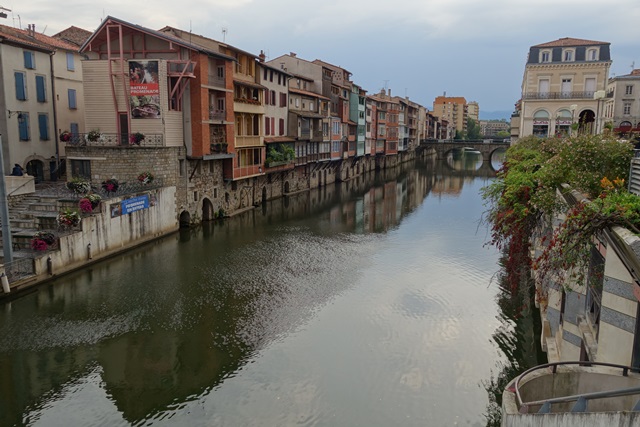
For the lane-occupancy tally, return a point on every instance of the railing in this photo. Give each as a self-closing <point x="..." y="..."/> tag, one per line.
<point x="113" y="139"/>
<point x="559" y="95"/>
<point x="19" y="268"/>
<point x="248" y="141"/>
<point x="217" y="115"/>
<point x="214" y="80"/>
<point x="580" y="399"/>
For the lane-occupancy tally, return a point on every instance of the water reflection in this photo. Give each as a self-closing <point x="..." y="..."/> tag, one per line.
<point x="304" y="312"/>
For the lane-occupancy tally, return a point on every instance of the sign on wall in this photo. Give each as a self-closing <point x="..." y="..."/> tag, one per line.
<point x="144" y="90"/>
<point x="131" y="205"/>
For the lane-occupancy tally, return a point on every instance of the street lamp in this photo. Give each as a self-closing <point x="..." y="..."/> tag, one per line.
<point x="598" y="95"/>
<point x="2" y="10"/>
<point x="573" y="108"/>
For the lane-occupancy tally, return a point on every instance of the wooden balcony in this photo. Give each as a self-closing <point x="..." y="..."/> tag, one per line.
<point x="249" y="141"/>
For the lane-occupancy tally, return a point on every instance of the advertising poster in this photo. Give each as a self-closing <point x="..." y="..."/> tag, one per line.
<point x="144" y="90"/>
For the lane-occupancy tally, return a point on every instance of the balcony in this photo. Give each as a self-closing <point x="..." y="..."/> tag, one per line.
<point x="217" y="115"/>
<point x="559" y="95"/>
<point x="215" y="80"/>
<point x="317" y="136"/>
<point x="112" y="139"/>
<point x="249" y="141"/>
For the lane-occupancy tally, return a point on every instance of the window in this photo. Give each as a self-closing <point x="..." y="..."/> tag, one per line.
<point x="626" y="108"/>
<point x="283" y="99"/>
<point x="220" y="104"/>
<point x="297" y="102"/>
<point x="21" y="86"/>
<point x="592" y="55"/>
<point x="566" y="87"/>
<point x="43" y="126"/>
<point x="72" y="99"/>
<point x="545" y="56"/>
<point x="81" y="169"/>
<point x="628" y="90"/>
<point x="543" y="88"/>
<point x="568" y="56"/>
<point x="271" y="75"/>
<point x="41" y="93"/>
<point x="267" y="126"/>
<point x="281" y="127"/>
<point x="29" y="60"/>
<point x="336" y="128"/>
<point x="74" y="128"/>
<point x="23" y="127"/>
<point x="311" y="106"/>
<point x="220" y="71"/>
<point x="273" y="98"/>
<point x="71" y="66"/>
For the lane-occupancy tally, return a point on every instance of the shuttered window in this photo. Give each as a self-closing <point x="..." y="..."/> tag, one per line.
<point x="43" y="126"/>
<point x="72" y="99"/>
<point x="29" y="60"/>
<point x="70" y="64"/>
<point x="23" y="126"/>
<point x="41" y="92"/>
<point x="21" y="86"/>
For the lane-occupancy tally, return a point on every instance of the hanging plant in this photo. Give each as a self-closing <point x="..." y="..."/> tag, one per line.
<point x="136" y="138"/>
<point x="68" y="218"/>
<point x="110" y="185"/>
<point x="146" y="177"/>
<point x="65" y="136"/>
<point x="79" y="186"/>
<point x="94" y="199"/>
<point x="94" y="135"/>
<point x="42" y="240"/>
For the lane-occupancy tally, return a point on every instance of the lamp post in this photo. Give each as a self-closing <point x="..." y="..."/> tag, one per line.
<point x="598" y="95"/>
<point x="573" y="108"/>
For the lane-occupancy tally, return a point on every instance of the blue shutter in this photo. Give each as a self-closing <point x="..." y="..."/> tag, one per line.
<point x="28" y="60"/>
<point x="74" y="129"/>
<point x="43" y="126"/>
<point x="23" y="127"/>
<point x="70" y="65"/>
<point x="72" y="98"/>
<point x="21" y="93"/>
<point x="40" y="89"/>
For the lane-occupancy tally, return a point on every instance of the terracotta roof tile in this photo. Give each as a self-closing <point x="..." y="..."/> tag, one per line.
<point x="73" y="35"/>
<point x="307" y="93"/>
<point x="39" y="40"/>
<point x="568" y="41"/>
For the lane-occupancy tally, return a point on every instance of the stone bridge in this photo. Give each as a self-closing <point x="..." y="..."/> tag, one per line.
<point x="486" y="147"/>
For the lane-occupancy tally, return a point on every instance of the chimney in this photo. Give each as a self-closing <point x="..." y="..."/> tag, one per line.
<point x="389" y="91"/>
<point x="292" y="54"/>
<point x="262" y="56"/>
<point x="636" y="72"/>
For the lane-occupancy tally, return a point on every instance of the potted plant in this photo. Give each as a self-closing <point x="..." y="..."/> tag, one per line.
<point x="146" y="177"/>
<point x="110" y="185"/>
<point x="136" y="138"/>
<point x="65" y="136"/>
<point x="89" y="203"/>
<point x="79" y="185"/>
<point x="68" y="218"/>
<point x="94" y="135"/>
<point x="94" y="199"/>
<point x="42" y="240"/>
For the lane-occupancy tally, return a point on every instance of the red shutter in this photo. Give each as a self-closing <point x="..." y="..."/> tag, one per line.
<point x="273" y="125"/>
<point x="267" y="122"/>
<point x="281" y="126"/>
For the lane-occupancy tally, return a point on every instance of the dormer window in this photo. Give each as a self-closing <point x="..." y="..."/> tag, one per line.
<point x="567" y="56"/>
<point x="592" y="54"/>
<point x="545" y="56"/>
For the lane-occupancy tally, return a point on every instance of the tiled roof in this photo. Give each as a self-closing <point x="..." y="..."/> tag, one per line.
<point x="73" y="35"/>
<point x="568" y="41"/>
<point x="38" y="40"/>
<point x="307" y="93"/>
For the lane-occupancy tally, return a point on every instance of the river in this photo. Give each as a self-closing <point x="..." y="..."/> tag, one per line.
<point x="368" y="303"/>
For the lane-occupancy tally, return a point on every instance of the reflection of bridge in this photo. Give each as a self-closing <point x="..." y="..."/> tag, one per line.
<point x="443" y="147"/>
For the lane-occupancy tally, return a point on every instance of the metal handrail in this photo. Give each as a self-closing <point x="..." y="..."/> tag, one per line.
<point x="524" y="406"/>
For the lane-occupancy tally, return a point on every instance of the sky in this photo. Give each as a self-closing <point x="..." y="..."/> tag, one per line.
<point x="417" y="48"/>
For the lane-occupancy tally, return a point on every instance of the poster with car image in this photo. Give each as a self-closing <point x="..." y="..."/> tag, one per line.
<point x="144" y="90"/>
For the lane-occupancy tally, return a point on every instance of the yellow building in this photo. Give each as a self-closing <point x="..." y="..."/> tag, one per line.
<point x="454" y="110"/>
<point x="564" y="81"/>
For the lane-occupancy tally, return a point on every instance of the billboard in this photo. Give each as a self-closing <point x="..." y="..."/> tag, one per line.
<point x="144" y="90"/>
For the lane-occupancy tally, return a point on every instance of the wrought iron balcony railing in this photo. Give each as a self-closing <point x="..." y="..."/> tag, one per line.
<point x="559" y="95"/>
<point x="112" y="139"/>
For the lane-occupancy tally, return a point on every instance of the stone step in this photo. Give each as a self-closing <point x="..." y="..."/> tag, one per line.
<point x="43" y="207"/>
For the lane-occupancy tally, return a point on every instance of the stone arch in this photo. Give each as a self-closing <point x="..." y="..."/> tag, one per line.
<point x="185" y="219"/>
<point x="587" y="119"/>
<point x="207" y="210"/>
<point x="286" y="186"/>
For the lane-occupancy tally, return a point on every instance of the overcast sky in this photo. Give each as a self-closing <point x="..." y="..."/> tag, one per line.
<point x="420" y="48"/>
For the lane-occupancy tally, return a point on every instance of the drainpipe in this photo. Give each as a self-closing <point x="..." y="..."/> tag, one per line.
<point x="55" y="115"/>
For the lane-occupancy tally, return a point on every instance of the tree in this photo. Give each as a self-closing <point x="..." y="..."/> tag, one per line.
<point x="473" y="130"/>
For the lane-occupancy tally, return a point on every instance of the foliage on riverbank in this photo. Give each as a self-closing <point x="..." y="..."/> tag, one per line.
<point x="522" y="199"/>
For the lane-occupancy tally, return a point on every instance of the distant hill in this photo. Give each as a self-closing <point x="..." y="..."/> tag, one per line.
<point x="495" y="115"/>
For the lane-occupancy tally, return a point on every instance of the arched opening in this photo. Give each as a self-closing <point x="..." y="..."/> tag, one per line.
<point x="207" y="210"/>
<point x="541" y="124"/>
<point x="264" y="194"/>
<point x="563" y="123"/>
<point x="35" y="168"/>
<point x="587" y="120"/>
<point x="286" y="186"/>
<point x="185" y="219"/>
